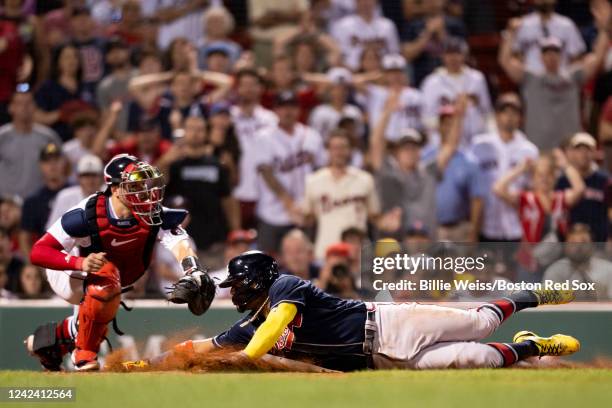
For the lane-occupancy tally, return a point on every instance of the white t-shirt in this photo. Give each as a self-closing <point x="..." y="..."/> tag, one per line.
<point x="292" y="157"/>
<point x="338" y="204"/>
<point x="441" y="88"/>
<point x="246" y="127"/>
<point x="408" y="114"/>
<point x="324" y="118"/>
<point x="495" y="158"/>
<point x="353" y="32"/>
<point x="532" y="29"/>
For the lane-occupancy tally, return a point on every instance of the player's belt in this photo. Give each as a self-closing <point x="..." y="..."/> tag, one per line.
<point x="371" y="328"/>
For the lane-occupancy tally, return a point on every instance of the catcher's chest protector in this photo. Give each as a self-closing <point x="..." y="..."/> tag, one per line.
<point x="129" y="247"/>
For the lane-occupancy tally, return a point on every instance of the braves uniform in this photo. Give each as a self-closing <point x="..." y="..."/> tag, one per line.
<point x="92" y="226"/>
<point x="350" y="335"/>
<point x="407" y="116"/>
<point x="292" y="158"/>
<point x="441" y="88"/>
<point x="246" y="128"/>
<point x="353" y="33"/>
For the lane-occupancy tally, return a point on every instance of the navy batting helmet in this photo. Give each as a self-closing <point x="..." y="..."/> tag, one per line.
<point x="250" y="275"/>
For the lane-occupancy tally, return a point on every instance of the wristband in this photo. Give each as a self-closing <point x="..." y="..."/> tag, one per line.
<point x="190" y="264"/>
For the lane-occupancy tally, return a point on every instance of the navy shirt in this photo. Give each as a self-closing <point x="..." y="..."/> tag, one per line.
<point x="592" y="209"/>
<point x="327" y="329"/>
<point x="36" y="210"/>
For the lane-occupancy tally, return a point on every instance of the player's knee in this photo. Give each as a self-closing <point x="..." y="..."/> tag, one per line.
<point x="485" y="322"/>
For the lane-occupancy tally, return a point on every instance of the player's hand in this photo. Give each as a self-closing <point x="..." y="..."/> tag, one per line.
<point x="94" y="262"/>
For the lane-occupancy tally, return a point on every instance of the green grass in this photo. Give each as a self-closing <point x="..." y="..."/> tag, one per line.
<point x="461" y="388"/>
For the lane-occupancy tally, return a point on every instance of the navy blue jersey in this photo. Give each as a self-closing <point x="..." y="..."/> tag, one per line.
<point x="326" y="329"/>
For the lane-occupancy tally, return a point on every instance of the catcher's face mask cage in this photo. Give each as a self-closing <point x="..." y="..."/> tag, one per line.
<point x="142" y="190"/>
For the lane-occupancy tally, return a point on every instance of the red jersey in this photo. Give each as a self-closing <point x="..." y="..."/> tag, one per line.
<point x="536" y="222"/>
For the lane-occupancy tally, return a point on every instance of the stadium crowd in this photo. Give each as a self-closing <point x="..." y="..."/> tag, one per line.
<point x="308" y="128"/>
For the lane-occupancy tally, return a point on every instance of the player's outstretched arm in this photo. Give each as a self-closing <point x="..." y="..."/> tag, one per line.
<point x="268" y="333"/>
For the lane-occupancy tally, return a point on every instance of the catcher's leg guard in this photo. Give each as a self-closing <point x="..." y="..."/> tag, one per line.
<point x="99" y="307"/>
<point x="50" y="342"/>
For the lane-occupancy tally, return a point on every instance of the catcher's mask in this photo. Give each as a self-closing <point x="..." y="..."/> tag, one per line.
<point x="141" y="187"/>
<point x="250" y="275"/>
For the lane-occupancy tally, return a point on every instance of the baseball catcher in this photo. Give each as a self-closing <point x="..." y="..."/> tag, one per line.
<point x="104" y="245"/>
<point x="291" y="318"/>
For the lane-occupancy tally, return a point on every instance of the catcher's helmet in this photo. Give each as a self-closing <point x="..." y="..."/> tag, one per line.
<point x="141" y="186"/>
<point x="250" y="275"/>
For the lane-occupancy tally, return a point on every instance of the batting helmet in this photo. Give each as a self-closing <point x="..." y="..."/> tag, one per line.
<point x="250" y="275"/>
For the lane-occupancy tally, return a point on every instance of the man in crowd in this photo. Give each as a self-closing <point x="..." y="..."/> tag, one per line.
<point x="198" y="176"/>
<point x="20" y="144"/>
<point x="496" y="153"/>
<point x="37" y="207"/>
<point x="552" y="95"/>
<point x="249" y="117"/>
<point x="297" y="255"/>
<point x="592" y="209"/>
<point x="286" y="155"/>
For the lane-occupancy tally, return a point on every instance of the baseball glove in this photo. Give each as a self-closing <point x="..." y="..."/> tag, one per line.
<point x="196" y="288"/>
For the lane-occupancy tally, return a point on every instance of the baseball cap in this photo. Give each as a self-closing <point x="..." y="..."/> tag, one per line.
<point x="217" y="48"/>
<point x="339" y="76"/>
<point x="393" y="62"/>
<point x="508" y="100"/>
<point x="89" y="164"/>
<point x="550" y="43"/>
<point x="411" y="136"/>
<point x="286" y="98"/>
<point x="583" y="139"/>
<point x="455" y="45"/>
<point x="50" y="151"/>
<point x="342" y="249"/>
<point x="241" y="236"/>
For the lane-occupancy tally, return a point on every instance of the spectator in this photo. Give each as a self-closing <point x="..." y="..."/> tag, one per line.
<point x="339" y="196"/>
<point x="325" y="117"/>
<point x="63" y="94"/>
<point x="90" y="47"/>
<point x="297" y="256"/>
<point x="31" y="283"/>
<point x="37" y="207"/>
<point x="605" y="133"/>
<point x="287" y="154"/>
<point x="10" y="218"/>
<point x="270" y="19"/>
<point x="592" y="209"/>
<point x="216" y="58"/>
<point x="248" y="118"/>
<point x="146" y="144"/>
<point x="406" y="186"/>
<point x="56" y="23"/>
<point x="542" y="23"/>
<point x="335" y="277"/>
<point x="460" y="192"/>
<point x="84" y="127"/>
<point x="409" y="108"/>
<point x="238" y="241"/>
<point x="4" y="293"/>
<point x="581" y="265"/>
<point x="552" y="96"/>
<point x="114" y="86"/>
<point x="177" y="18"/>
<point x="496" y="153"/>
<point x="222" y="138"/>
<point x="128" y="28"/>
<point x="198" y="176"/>
<point x="443" y="86"/>
<point x="354" y="32"/>
<point x="90" y="179"/>
<point x="423" y="37"/>
<point x="20" y="144"/>
<point x="10" y="265"/>
<point x="542" y="210"/>
<point x="218" y="25"/>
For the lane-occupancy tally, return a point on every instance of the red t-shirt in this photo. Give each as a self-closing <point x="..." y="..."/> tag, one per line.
<point x="533" y="217"/>
<point x="130" y="146"/>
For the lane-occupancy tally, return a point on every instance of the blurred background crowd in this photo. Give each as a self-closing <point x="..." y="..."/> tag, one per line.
<point x="309" y="128"/>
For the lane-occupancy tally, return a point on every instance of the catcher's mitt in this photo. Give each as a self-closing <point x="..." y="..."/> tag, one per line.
<point x="196" y="288"/>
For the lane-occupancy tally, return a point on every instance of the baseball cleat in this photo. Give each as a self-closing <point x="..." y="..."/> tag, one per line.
<point x="555" y="345"/>
<point x="136" y="365"/>
<point x="85" y="360"/>
<point x="553" y="297"/>
<point x="45" y="345"/>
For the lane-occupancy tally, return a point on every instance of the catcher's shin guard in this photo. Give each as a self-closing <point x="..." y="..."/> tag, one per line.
<point x="50" y="342"/>
<point x="99" y="307"/>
